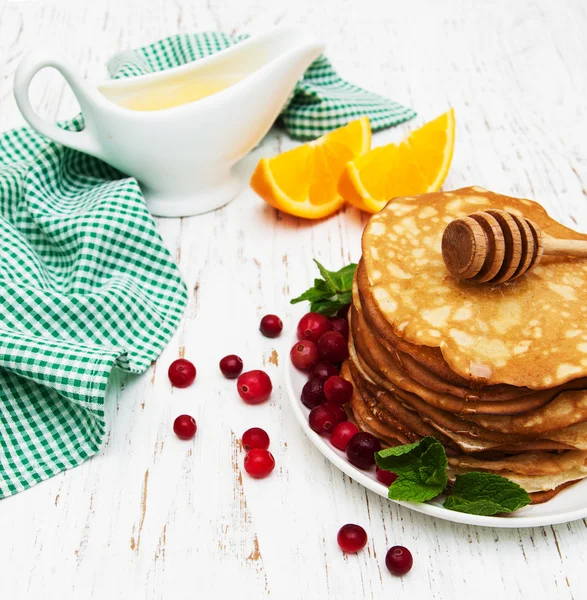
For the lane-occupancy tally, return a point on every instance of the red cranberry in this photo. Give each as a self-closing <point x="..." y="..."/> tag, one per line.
<point x="231" y="366"/>
<point x="338" y="390"/>
<point x="385" y="477"/>
<point x="338" y="412"/>
<point x="344" y="311"/>
<point x="259" y="463"/>
<point x="312" y="326"/>
<point x="255" y="439"/>
<point x="313" y="393"/>
<point x="304" y="354"/>
<point x="181" y="373"/>
<point x="254" y="387"/>
<point x="361" y="450"/>
<point x="322" y="419"/>
<point x="341" y="325"/>
<point x="351" y="538"/>
<point x="342" y="434"/>
<point x="399" y="560"/>
<point x="185" y="427"/>
<point x="271" y="326"/>
<point x="322" y="370"/>
<point x="333" y="347"/>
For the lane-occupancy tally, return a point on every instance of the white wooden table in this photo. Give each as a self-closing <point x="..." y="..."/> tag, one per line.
<point x="153" y="517"/>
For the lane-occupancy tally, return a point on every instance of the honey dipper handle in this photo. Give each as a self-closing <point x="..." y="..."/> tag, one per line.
<point x="556" y="247"/>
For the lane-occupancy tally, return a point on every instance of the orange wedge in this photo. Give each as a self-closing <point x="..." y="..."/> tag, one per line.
<point x="417" y="165"/>
<point x="303" y="182"/>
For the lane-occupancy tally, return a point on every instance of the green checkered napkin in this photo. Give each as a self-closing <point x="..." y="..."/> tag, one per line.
<point x="85" y="285"/>
<point x="85" y="281"/>
<point x="322" y="101"/>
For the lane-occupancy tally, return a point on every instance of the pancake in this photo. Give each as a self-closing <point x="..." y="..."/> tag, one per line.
<point x="542" y="497"/>
<point x="442" y="426"/>
<point x="535" y="472"/>
<point x="568" y="408"/>
<point x="367" y="421"/>
<point x="429" y="359"/>
<point x="391" y="411"/>
<point x="498" y="374"/>
<point x="389" y="369"/>
<point x="486" y="335"/>
<point x="529" y="464"/>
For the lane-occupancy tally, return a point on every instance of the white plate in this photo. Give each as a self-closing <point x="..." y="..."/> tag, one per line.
<point x="568" y="505"/>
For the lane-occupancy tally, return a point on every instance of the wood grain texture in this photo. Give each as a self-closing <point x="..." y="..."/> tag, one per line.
<point x="152" y="517"/>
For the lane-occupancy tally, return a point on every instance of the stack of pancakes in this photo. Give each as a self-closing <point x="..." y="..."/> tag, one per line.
<point x="498" y="374"/>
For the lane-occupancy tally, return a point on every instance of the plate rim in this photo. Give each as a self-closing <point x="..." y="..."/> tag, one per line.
<point x="510" y="522"/>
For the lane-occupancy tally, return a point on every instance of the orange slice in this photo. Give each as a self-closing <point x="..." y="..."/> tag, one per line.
<point x="417" y="165"/>
<point x="303" y="182"/>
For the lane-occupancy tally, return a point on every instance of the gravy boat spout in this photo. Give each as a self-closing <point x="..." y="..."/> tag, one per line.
<point x="180" y="132"/>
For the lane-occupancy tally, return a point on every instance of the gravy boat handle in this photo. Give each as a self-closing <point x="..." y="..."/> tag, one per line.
<point x="31" y="64"/>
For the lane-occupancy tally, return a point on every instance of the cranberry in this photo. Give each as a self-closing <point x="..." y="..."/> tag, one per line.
<point x="399" y="560"/>
<point x="271" y="326"/>
<point x="351" y="538"/>
<point x="255" y="439"/>
<point x="181" y="373"/>
<point x="185" y="427"/>
<point x="322" y="418"/>
<point x="254" y="387"/>
<point x="338" y="390"/>
<point x="304" y="354"/>
<point x="322" y="370"/>
<point x="333" y="347"/>
<point x="361" y="450"/>
<point x="231" y="366"/>
<point x="344" y="311"/>
<point x="385" y="477"/>
<point x="338" y="413"/>
<point x="313" y="393"/>
<point x="341" y="325"/>
<point x="259" y="463"/>
<point x="342" y="434"/>
<point x="312" y="326"/>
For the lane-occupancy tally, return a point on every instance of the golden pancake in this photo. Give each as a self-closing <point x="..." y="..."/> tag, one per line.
<point x="531" y="332"/>
<point x="542" y="497"/>
<point x="391" y="412"/>
<point x="468" y="439"/>
<point x="367" y="421"/>
<point x="568" y="408"/>
<point x="531" y="463"/>
<point x="430" y="359"/>
<point x="383" y="363"/>
<point x="535" y="472"/>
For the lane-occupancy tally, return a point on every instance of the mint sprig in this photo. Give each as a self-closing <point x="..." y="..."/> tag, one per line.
<point x="421" y="470"/>
<point x="332" y="292"/>
<point x="485" y="494"/>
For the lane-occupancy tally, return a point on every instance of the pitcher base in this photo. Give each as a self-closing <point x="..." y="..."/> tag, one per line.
<point x="188" y="204"/>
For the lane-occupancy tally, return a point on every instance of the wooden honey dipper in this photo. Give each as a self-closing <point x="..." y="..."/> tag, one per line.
<point x="495" y="246"/>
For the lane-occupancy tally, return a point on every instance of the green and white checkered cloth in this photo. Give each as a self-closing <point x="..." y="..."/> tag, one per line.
<point x="86" y="284"/>
<point x="322" y="100"/>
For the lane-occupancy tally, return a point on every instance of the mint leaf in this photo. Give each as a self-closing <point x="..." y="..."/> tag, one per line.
<point x="420" y="468"/>
<point x="485" y="494"/>
<point x="434" y="464"/>
<point x="332" y="292"/>
<point x="326" y="307"/>
<point x="345" y="277"/>
<point x="328" y="277"/>
<point x="409" y="488"/>
<point x="311" y="295"/>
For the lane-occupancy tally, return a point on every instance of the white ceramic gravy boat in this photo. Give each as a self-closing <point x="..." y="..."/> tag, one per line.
<point x="182" y="157"/>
